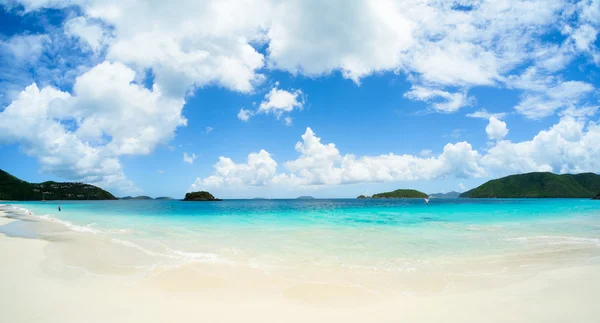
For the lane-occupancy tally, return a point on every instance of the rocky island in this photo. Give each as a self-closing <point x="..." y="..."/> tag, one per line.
<point x="200" y="196"/>
<point x="397" y="194"/>
<point x="14" y="189"/>
<point x="539" y="185"/>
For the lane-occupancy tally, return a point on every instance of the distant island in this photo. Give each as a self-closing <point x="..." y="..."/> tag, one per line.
<point x="14" y="189"/>
<point x="200" y="196"/>
<point x="397" y="194"/>
<point x="363" y="197"/>
<point x="142" y="197"/>
<point x="306" y="197"/>
<point x="539" y="185"/>
<point x="449" y="195"/>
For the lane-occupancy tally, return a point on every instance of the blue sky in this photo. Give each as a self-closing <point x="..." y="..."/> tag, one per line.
<point x="280" y="99"/>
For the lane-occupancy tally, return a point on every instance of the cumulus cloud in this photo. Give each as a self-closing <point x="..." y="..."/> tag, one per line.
<point x="441" y="101"/>
<point x="189" y="158"/>
<point x="245" y="114"/>
<point x="258" y="171"/>
<point x="90" y="33"/>
<point x="80" y="136"/>
<point x="25" y="47"/>
<point x="322" y="164"/>
<point x="192" y="44"/>
<point x="570" y="146"/>
<point x="277" y="102"/>
<point x="496" y="129"/>
<point x="187" y="45"/>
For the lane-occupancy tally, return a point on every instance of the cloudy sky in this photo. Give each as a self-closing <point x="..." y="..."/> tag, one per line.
<point x="281" y="98"/>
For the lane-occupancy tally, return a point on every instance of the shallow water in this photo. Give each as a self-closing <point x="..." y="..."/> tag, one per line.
<point x="361" y="242"/>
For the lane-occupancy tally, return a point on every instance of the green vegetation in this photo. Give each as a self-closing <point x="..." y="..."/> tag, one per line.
<point x="449" y="195"/>
<point x="597" y="197"/>
<point x="400" y="194"/>
<point x="200" y="196"/>
<point x="14" y="189"/>
<point x="363" y="197"/>
<point x="539" y="185"/>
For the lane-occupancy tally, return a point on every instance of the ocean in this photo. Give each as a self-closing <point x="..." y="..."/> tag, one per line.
<point x="359" y="237"/>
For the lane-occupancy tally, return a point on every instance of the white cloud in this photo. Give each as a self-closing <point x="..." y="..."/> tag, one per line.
<point x="426" y="153"/>
<point x="539" y="104"/>
<point x="484" y="114"/>
<point x="570" y="146"/>
<point x="80" y="136"/>
<point x="189" y="158"/>
<point x="25" y="47"/>
<point x="29" y="121"/>
<point x="496" y="129"/>
<point x="208" y="130"/>
<point x="258" y="171"/>
<point x="91" y="34"/>
<point x="187" y="45"/>
<point x="245" y="114"/>
<point x="192" y="44"/>
<point x="440" y="100"/>
<point x="461" y="187"/>
<point x="279" y="102"/>
<point x="160" y="171"/>
<point x="322" y="164"/>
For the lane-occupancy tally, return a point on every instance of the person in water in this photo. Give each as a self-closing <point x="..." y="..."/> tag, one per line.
<point x="59" y="208"/>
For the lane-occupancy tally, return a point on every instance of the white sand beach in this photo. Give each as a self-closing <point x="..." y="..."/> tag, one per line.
<point x="36" y="287"/>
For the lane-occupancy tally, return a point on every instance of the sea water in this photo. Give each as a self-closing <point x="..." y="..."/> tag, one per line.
<point x="394" y="236"/>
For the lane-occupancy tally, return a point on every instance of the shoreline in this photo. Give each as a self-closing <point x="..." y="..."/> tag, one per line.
<point x="218" y="292"/>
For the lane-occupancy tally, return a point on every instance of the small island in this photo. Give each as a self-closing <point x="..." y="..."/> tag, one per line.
<point x="305" y="198"/>
<point x="200" y="196"/>
<point x="397" y="194"/>
<point x="363" y="197"/>
<point x="163" y="198"/>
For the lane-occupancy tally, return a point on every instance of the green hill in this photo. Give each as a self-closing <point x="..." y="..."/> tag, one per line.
<point x="399" y="194"/>
<point x="539" y="185"/>
<point x="14" y="189"/>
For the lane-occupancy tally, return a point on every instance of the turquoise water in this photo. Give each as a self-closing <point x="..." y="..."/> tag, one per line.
<point x="348" y="233"/>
